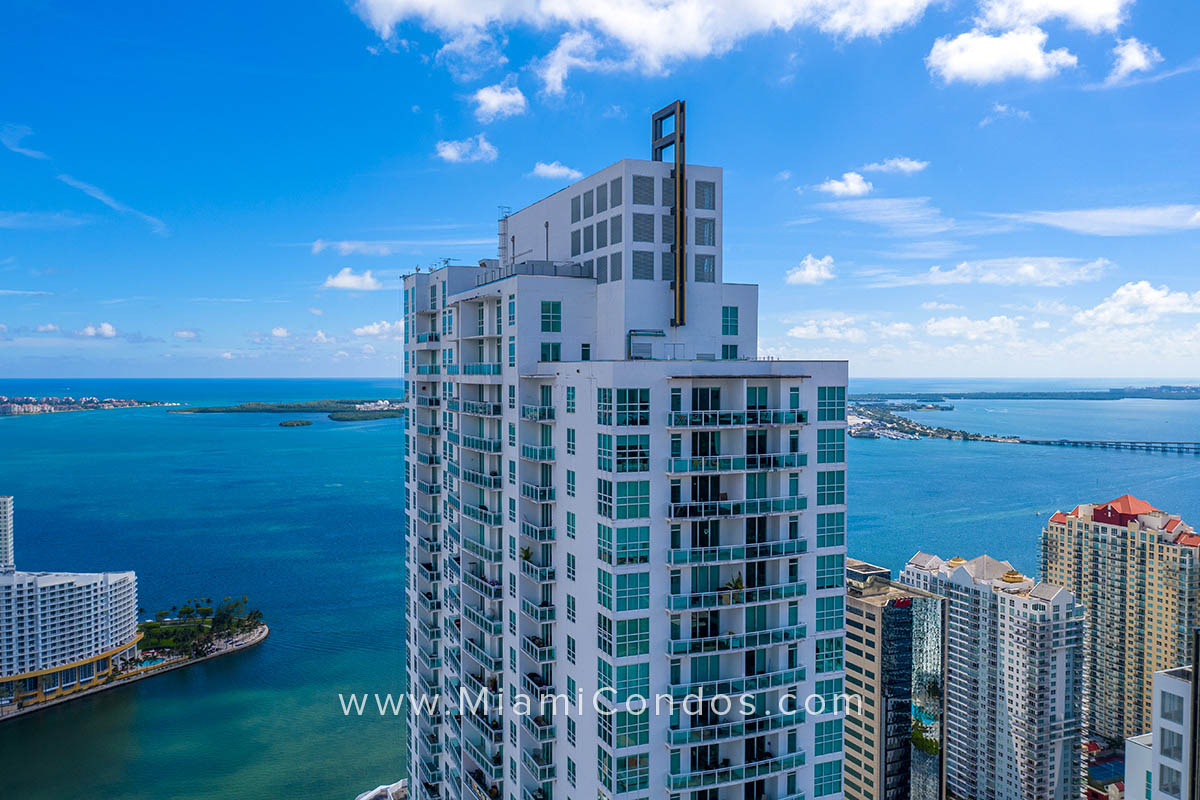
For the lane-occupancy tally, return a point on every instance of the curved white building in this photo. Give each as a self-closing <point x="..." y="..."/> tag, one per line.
<point x="60" y="631"/>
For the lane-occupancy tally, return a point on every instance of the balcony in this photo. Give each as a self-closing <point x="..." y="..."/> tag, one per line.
<point x="737" y="552"/>
<point x="482" y="551"/>
<point x="428" y="401"/>
<point x="738" y="728"/>
<point x="539" y="533"/>
<point x="428" y="430"/>
<point x="429" y="516"/>
<point x="537" y="413"/>
<point x="737" y="641"/>
<point x="429" y="602"/>
<point x="480" y="788"/>
<point x="730" y="509"/>
<point x="430" y="546"/>
<point x="428" y="459"/>
<point x="474" y="683"/>
<point x="536" y="686"/>
<point x="432" y="633"/>
<point x="537" y="613"/>
<point x="531" y="452"/>
<point x="429" y="488"/>
<point x="483" y="586"/>
<point x="728" y="775"/>
<point x="482" y="515"/>
<point x="428" y="369"/>
<point x="479" y="408"/>
<point x="492" y="766"/>
<point x="429" y="771"/>
<point x="481" y="369"/>
<point x="492" y="482"/>
<point x="430" y="336"/>
<point x="537" y="492"/>
<point x="429" y="572"/>
<point x="769" y="462"/>
<point x="489" y="625"/>
<point x="741" y="684"/>
<point x="488" y="662"/>
<point x="537" y="649"/>
<point x="725" y="597"/>
<point x="484" y="444"/>
<point x="736" y="419"/>
<point x="537" y="572"/>
<point x="452" y="437"/>
<point x="539" y="766"/>
<point x="539" y="727"/>
<point x="430" y="659"/>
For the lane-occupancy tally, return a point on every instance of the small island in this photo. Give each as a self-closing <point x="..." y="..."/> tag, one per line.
<point x="877" y="420"/>
<point x="338" y="410"/>
<point x="14" y="406"/>
<point x="295" y="423"/>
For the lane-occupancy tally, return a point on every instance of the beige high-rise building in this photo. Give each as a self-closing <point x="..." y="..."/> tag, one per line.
<point x="1136" y="570"/>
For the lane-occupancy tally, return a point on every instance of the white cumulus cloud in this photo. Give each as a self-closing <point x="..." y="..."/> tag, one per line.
<point x="104" y="330"/>
<point x="465" y="151"/>
<point x="998" y="327"/>
<point x="500" y="100"/>
<point x="381" y="328"/>
<point x="1131" y="56"/>
<point x="851" y="185"/>
<point x="899" y="164"/>
<point x="348" y="279"/>
<point x="1093" y="16"/>
<point x="184" y="333"/>
<point x="980" y="57"/>
<point x="555" y="170"/>
<point x="279" y="333"/>
<point x="811" y="271"/>
<point x="321" y="338"/>
<point x="49" y="327"/>
<point x="1139" y="302"/>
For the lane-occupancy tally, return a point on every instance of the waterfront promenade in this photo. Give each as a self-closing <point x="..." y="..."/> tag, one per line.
<point x="223" y="647"/>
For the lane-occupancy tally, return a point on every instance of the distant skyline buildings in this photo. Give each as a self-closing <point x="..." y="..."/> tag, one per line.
<point x="1136" y="571"/>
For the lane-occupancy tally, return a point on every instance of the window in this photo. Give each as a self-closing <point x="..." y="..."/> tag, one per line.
<point x="668" y="192"/>
<point x="643" y="190"/>
<point x="1169" y="780"/>
<point x="643" y="266"/>
<point x="614" y="229"/>
<point x="633" y="499"/>
<point x="588" y="240"/>
<point x="571" y="569"/>
<point x="831" y="529"/>
<point x="576" y="243"/>
<point x="614" y="192"/>
<point x="570" y="441"/>
<point x="633" y="773"/>
<point x="828" y="737"/>
<point x="729" y="352"/>
<point x="829" y="654"/>
<point x="831" y="488"/>
<point x="604" y="406"/>
<point x="512" y="396"/>
<point x="615" y="261"/>
<point x="512" y="351"/>
<point x="551" y="351"/>
<point x="633" y="406"/>
<point x="633" y="453"/>
<point x="604" y="588"/>
<point x="570" y="733"/>
<point x="571" y="618"/>
<point x="570" y="524"/>
<point x="604" y="452"/>
<point x="512" y="434"/>
<point x="827" y="778"/>
<point x="632" y="679"/>
<point x="643" y="228"/>
<point x="589" y="206"/>
<point x="633" y="637"/>
<point x="706" y="195"/>
<point x="633" y="591"/>
<point x="570" y="399"/>
<point x="512" y="472"/>
<point x="604" y="632"/>
<point x="831" y="571"/>
<point x="668" y="266"/>
<point x="512" y="310"/>
<point x="571" y="763"/>
<point x="706" y="231"/>
<point x="512" y="510"/>
<point x="575" y="208"/>
<point x="551" y="316"/>
<point x="706" y="269"/>
<point x="1172" y="707"/>
<point x="831" y="403"/>
<point x="831" y="445"/>
<point x="729" y="320"/>
<point x="602" y="198"/>
<point x="1171" y="744"/>
<point x="829" y="614"/>
<point x="633" y="545"/>
<point x="632" y="729"/>
<point x="604" y="503"/>
<point x="667" y="224"/>
<point x="570" y="483"/>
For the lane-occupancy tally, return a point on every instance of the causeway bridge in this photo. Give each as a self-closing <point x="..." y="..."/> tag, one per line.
<point x="1188" y="448"/>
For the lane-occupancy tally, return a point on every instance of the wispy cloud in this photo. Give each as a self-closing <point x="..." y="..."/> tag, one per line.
<point x="901" y="164"/>
<point x="466" y="151"/>
<point x="185" y="333"/>
<point x="11" y="136"/>
<point x="387" y="247"/>
<point x="95" y="192"/>
<point x="556" y="171"/>
<point x="1035" y="271"/>
<point x="382" y="329"/>
<point x="898" y="216"/>
<point x="349" y="279"/>
<point x="1116" y="220"/>
<point x="32" y="220"/>
<point x="29" y="292"/>
<point x="1003" y="111"/>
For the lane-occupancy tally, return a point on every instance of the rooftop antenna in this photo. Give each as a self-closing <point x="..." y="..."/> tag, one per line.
<point x="676" y="113"/>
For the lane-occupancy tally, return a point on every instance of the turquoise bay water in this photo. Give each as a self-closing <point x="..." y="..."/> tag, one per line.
<point x="307" y="522"/>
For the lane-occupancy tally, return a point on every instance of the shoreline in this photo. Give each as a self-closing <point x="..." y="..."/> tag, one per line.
<point x="258" y="637"/>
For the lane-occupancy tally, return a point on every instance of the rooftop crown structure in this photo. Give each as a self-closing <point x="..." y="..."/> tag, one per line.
<point x="610" y="498"/>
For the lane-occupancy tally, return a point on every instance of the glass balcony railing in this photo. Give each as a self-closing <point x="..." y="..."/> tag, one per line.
<point x="431" y="546"/>
<point x="428" y="430"/>
<point x="481" y="369"/>
<point x="538" y="650"/>
<point x="484" y="444"/>
<point x="741" y="773"/>
<point x="737" y="641"/>
<point x="540" y="727"/>
<point x="492" y="766"/>
<point x="427" y="337"/>
<point x="536" y="686"/>
<point x="428" y="401"/>
<point x="539" y="533"/>
<point x="480" y="788"/>
<point x="735" y="419"/>
<point x="483" y="481"/>
<point x="539" y="766"/>
<point x="736" y="597"/>
<point x="537" y="413"/>
<point x="535" y="453"/>
<point x="429" y="488"/>
<point x="429" y="572"/>
<point x="429" y="771"/>
<point x="481" y="408"/>
<point x="482" y="515"/>
<point x="429" y="658"/>
<point x="537" y="613"/>
<point x="486" y="660"/>
<point x="488" y="625"/>
<point x="474" y="683"/>
<point x="537" y="572"/>
<point x="428" y="602"/>
<point x="734" y="729"/>
<point x="429" y="517"/>
<point x="753" y="463"/>
<point x="537" y="492"/>
<point x="452" y="437"/>
<point x="488" y="730"/>
<point x="481" y="550"/>
<point x="761" y="506"/>
<point x="428" y="369"/>
<point x="737" y="552"/>
<point x="492" y="591"/>
<point x="429" y="459"/>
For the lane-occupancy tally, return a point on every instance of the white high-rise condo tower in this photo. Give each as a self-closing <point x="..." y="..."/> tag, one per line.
<point x="609" y="497"/>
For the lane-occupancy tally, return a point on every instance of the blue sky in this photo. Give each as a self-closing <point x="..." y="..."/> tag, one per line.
<point x="970" y="188"/>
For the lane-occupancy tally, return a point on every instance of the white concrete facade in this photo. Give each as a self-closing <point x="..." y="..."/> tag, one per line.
<point x="583" y="522"/>
<point x="1157" y="763"/>
<point x="1014" y="680"/>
